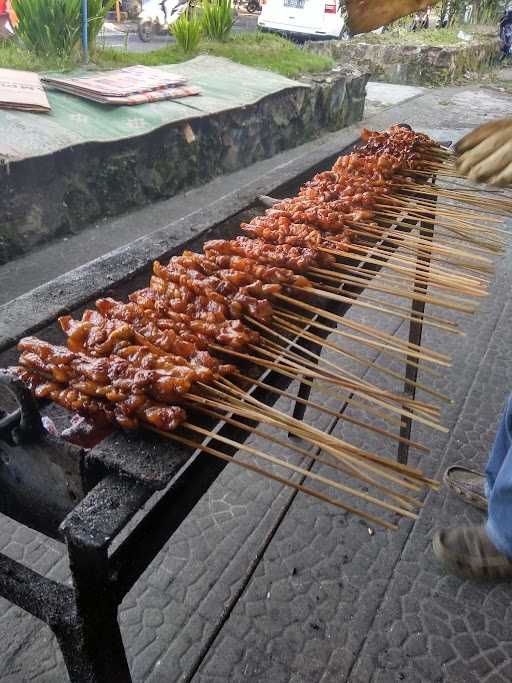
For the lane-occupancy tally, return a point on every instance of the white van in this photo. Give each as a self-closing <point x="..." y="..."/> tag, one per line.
<point x="305" y="18"/>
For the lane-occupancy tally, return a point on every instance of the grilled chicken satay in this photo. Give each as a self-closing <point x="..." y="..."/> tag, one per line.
<point x="211" y="298"/>
<point x="127" y="361"/>
<point x="211" y="325"/>
<point x="113" y="377"/>
<point x="229" y="267"/>
<point x="280" y="255"/>
<point x="127" y="414"/>
<point x="133" y="390"/>
<point x="298" y="235"/>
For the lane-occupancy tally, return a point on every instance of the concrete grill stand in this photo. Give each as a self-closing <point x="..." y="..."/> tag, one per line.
<point x="87" y="498"/>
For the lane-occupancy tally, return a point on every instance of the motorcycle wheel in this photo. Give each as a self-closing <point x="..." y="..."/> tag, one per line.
<point x="253" y="6"/>
<point x="145" y="30"/>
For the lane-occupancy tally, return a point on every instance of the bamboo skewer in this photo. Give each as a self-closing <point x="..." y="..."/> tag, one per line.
<point x="303" y="367"/>
<point x="381" y="254"/>
<point x="411" y="296"/>
<point x="346" y="468"/>
<point x="428" y="319"/>
<point x="308" y="322"/>
<point x="404" y="261"/>
<point x="340" y="416"/>
<point x="366" y="278"/>
<point x="382" y="348"/>
<point x="324" y="388"/>
<point x="407" y="239"/>
<point x="418" y="415"/>
<point x="412" y="349"/>
<point x="404" y="238"/>
<point x="304" y="472"/>
<point x="336" y="448"/>
<point x="432" y="207"/>
<point x="414" y="210"/>
<point x="345" y="299"/>
<point x="281" y="480"/>
<point x="342" y="396"/>
<point x="404" y="279"/>
<point x="466" y="214"/>
<point x="358" y="387"/>
<point x="408" y="264"/>
<point x="290" y="372"/>
<point x="366" y="304"/>
<point x="432" y="242"/>
<point x="353" y="382"/>
<point x="332" y="442"/>
<point x="337" y="349"/>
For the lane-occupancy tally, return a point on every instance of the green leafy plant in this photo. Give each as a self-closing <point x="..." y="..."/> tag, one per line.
<point x="188" y="32"/>
<point x="48" y="27"/>
<point x="53" y="27"/>
<point x="218" y="17"/>
<point x="97" y="11"/>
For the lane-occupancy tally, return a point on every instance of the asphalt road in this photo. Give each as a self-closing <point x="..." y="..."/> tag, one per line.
<point x="126" y="35"/>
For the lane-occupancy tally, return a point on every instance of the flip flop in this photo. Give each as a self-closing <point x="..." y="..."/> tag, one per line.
<point x="468" y="484"/>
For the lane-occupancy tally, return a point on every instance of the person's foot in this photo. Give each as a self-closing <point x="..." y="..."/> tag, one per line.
<point x="468" y="484"/>
<point x="468" y="552"/>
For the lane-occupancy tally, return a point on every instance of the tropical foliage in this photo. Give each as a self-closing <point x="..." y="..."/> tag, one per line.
<point x="188" y="32"/>
<point x="218" y="17"/>
<point x="53" y="27"/>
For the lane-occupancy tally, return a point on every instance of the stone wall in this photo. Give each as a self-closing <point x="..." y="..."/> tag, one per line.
<point x="47" y="197"/>
<point x="413" y="64"/>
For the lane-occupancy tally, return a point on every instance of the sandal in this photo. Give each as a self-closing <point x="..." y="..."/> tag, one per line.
<point x="468" y="484"/>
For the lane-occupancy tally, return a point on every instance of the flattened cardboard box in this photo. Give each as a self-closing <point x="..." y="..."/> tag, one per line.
<point x="22" y="90"/>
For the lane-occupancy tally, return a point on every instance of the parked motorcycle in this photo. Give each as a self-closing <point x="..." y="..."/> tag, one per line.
<point x="158" y="15"/>
<point x="253" y="6"/>
<point x="250" y="5"/>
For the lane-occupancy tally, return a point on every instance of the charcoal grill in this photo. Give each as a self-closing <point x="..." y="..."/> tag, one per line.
<point x="86" y="498"/>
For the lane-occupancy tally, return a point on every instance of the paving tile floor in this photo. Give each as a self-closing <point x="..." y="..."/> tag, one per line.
<point x="265" y="586"/>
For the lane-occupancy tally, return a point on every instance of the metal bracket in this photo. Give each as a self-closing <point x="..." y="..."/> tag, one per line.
<point x="25" y="422"/>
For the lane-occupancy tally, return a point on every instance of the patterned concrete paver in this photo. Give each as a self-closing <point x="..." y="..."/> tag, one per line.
<point x="265" y="586"/>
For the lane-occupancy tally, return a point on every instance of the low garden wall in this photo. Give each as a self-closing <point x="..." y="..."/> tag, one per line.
<point x="413" y="64"/>
<point x="49" y="196"/>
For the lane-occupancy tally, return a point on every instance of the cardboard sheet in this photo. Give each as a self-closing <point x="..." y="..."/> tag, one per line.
<point x="22" y="90"/>
<point x="132" y="80"/>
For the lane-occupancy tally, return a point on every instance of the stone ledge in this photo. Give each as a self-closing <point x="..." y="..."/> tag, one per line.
<point x="51" y="196"/>
<point x="413" y="64"/>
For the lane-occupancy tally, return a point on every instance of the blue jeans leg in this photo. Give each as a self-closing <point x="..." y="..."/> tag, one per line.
<point x="499" y="485"/>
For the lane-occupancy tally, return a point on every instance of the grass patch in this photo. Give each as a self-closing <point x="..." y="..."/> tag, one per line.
<point x="259" y="50"/>
<point x="438" y="37"/>
<point x="13" y="56"/>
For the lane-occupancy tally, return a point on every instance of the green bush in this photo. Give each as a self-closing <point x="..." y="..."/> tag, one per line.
<point x="53" y="27"/>
<point x="218" y="17"/>
<point x="188" y="32"/>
